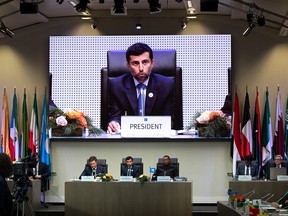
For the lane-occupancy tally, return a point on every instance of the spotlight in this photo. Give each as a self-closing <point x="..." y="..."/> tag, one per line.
<point x="138" y="26"/>
<point x="184" y="23"/>
<point x="189" y="7"/>
<point x="6" y="30"/>
<point x="261" y="20"/>
<point x="155" y="6"/>
<point x="81" y="6"/>
<point x="250" y="17"/>
<point x="118" y="8"/>
<point x="249" y="29"/>
<point x="93" y="25"/>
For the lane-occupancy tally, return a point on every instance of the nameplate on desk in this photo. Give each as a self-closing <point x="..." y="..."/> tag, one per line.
<point x="145" y="126"/>
<point x="126" y="178"/>
<point x="244" y="177"/>
<point x="87" y="178"/>
<point x="282" y="177"/>
<point x="163" y="178"/>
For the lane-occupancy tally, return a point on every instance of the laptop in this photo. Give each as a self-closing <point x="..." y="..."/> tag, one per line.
<point x="274" y="172"/>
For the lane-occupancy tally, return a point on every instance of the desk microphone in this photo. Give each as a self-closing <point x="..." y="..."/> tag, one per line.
<point x="269" y="198"/>
<point x="265" y="196"/>
<point x="94" y="172"/>
<point x="249" y="194"/>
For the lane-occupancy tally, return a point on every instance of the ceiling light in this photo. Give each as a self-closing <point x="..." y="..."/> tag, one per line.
<point x="261" y="20"/>
<point x="118" y="8"/>
<point x="189" y="7"/>
<point x="93" y="26"/>
<point x="138" y="26"/>
<point x="155" y="6"/>
<point x="249" y="29"/>
<point x="6" y="30"/>
<point x="59" y="1"/>
<point x="184" y="23"/>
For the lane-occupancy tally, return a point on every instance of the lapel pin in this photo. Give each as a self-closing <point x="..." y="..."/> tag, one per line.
<point x="150" y="95"/>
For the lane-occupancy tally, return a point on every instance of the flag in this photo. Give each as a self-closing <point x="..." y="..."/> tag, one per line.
<point x="44" y="143"/>
<point x="5" y="126"/>
<point x="278" y="144"/>
<point x="14" y="138"/>
<point x="286" y="133"/>
<point x="236" y="132"/>
<point x="257" y="146"/>
<point x="34" y="129"/>
<point x="267" y="141"/>
<point x="246" y="136"/>
<point x="25" y="129"/>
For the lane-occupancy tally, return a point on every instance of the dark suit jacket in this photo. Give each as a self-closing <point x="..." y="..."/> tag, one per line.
<point x="162" y="170"/>
<point x="160" y="97"/>
<point x="45" y="173"/>
<point x="241" y="170"/>
<point x="5" y="198"/>
<point x="88" y="171"/>
<point x="283" y="199"/>
<point x="135" y="170"/>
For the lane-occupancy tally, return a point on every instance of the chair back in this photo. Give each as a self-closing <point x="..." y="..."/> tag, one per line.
<point x="165" y="64"/>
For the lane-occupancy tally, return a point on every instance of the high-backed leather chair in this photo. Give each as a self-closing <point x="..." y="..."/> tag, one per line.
<point x="137" y="161"/>
<point x="165" y="64"/>
<point x="173" y="161"/>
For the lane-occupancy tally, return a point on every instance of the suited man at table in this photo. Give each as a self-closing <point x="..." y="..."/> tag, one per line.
<point x="130" y="169"/>
<point x="248" y="168"/>
<point x="92" y="169"/>
<point x="165" y="169"/>
<point x="277" y="162"/>
<point x="158" y="91"/>
<point x="282" y="202"/>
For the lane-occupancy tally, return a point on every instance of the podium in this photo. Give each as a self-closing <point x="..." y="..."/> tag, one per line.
<point x="128" y="198"/>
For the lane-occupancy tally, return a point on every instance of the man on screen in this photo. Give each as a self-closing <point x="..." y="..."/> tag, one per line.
<point x="139" y="92"/>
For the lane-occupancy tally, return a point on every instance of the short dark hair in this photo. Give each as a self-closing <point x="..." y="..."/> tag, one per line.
<point x="167" y="156"/>
<point x="6" y="166"/>
<point x="138" y="49"/>
<point x="248" y="158"/>
<point x="129" y="158"/>
<point x="92" y="158"/>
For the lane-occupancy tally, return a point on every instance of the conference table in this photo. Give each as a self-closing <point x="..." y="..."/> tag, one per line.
<point x="261" y="187"/>
<point x="127" y="198"/>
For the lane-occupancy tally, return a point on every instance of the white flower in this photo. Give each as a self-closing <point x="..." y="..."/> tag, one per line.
<point x="61" y="121"/>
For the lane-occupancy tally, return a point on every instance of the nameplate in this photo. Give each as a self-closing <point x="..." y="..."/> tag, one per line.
<point x="126" y="178"/>
<point x="87" y="178"/>
<point x="282" y="177"/>
<point x="146" y="126"/>
<point x="163" y="178"/>
<point x="244" y="177"/>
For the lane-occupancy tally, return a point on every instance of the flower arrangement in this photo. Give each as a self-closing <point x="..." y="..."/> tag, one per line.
<point x="143" y="178"/>
<point x="106" y="177"/>
<point x="70" y="123"/>
<point x="211" y="124"/>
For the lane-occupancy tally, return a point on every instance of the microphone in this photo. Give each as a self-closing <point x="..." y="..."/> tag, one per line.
<point x="269" y="198"/>
<point x="94" y="172"/>
<point x="282" y="196"/>
<point x="265" y="196"/>
<point x="249" y="194"/>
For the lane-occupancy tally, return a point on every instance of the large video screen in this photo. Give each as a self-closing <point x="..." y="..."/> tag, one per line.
<point x="75" y="63"/>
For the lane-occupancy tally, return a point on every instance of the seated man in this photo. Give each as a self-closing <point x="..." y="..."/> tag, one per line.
<point x="248" y="168"/>
<point x="165" y="169"/>
<point x="130" y="169"/>
<point x="278" y="163"/>
<point x="140" y="92"/>
<point x="92" y="169"/>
